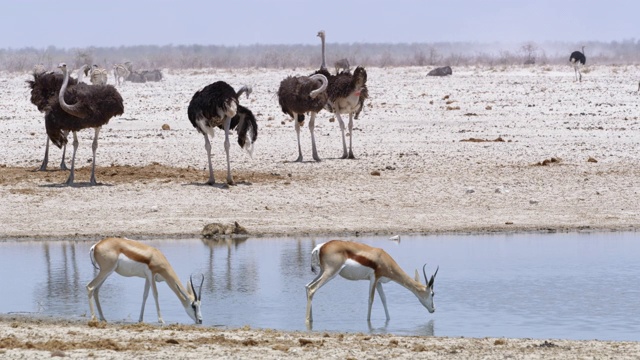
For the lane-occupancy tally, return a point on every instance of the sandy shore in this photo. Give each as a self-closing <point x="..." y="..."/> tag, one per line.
<point x="567" y="159"/>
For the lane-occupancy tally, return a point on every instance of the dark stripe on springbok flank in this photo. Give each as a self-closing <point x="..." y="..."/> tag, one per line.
<point x="363" y="261"/>
<point x="136" y="257"/>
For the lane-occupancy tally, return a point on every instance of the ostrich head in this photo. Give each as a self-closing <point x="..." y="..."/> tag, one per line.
<point x="321" y="34"/>
<point x="63" y="67"/>
<point x="360" y="77"/>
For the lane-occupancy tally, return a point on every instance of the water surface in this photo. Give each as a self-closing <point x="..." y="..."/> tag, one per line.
<point x="574" y="286"/>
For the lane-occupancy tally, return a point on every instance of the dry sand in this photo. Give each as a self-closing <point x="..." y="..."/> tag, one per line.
<point x="415" y="172"/>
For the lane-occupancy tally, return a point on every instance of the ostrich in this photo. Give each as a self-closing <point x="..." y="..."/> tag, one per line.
<point x="216" y="105"/>
<point x="301" y="94"/>
<point x="45" y="86"/>
<point x="121" y="71"/>
<point x="345" y="97"/>
<point x="98" y="75"/>
<point x="575" y="58"/>
<point x="80" y="107"/>
<point x="347" y="94"/>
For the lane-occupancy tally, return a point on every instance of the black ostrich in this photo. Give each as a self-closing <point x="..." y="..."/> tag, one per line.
<point x="44" y="86"/>
<point x="80" y="107"/>
<point x="301" y="94"/>
<point x="364" y="93"/>
<point x="217" y="106"/>
<point x="577" y="58"/>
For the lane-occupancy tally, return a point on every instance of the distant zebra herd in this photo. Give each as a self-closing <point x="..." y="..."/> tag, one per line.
<point x="124" y="72"/>
<point x="121" y="73"/>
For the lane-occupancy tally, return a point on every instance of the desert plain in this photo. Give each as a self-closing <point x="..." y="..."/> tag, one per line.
<point x="488" y="149"/>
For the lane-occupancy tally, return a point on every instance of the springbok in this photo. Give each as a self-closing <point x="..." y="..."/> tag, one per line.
<point x="132" y="258"/>
<point x="356" y="261"/>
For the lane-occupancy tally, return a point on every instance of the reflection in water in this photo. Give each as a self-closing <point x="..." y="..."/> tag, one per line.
<point x="539" y="286"/>
<point x="62" y="281"/>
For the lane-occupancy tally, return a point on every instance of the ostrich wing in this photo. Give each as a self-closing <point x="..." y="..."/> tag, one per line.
<point x="45" y="86"/>
<point x="293" y="95"/>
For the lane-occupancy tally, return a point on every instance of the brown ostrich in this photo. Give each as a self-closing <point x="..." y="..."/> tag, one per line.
<point x="44" y="86"/>
<point x="301" y="94"/>
<point x="80" y="107"/>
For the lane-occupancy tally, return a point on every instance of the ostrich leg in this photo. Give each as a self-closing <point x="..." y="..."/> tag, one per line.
<point x="207" y="146"/>
<point x="94" y="147"/>
<point x="344" y="141"/>
<point x="73" y="159"/>
<point x="43" y="167"/>
<point x="297" y="125"/>
<point x="351" y="136"/>
<point x="312" y="122"/>
<point x="227" y="146"/>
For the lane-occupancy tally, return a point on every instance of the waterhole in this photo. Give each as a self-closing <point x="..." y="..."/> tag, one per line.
<point x="572" y="286"/>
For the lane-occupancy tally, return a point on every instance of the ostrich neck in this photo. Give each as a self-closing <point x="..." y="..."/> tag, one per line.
<point x="70" y="109"/>
<point x="324" y="64"/>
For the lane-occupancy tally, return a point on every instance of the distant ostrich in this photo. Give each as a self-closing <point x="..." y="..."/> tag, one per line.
<point x="347" y="94"/>
<point x="98" y="75"/>
<point x="299" y="95"/>
<point x="121" y="73"/>
<point x="80" y="107"/>
<point x="45" y="86"/>
<point x="364" y="94"/>
<point x="577" y="58"/>
<point x="216" y="105"/>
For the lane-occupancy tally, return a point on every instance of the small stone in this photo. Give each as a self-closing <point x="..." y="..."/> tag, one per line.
<point x="533" y="202"/>
<point x="154" y="209"/>
<point x="470" y="191"/>
<point x="592" y="160"/>
<point x="166" y="127"/>
<point x="375" y="173"/>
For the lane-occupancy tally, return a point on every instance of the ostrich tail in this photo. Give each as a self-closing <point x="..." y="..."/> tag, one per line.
<point x="56" y="134"/>
<point x="247" y="129"/>
<point x="93" y="258"/>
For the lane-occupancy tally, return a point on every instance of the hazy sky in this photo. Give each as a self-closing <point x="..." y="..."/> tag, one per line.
<point x="82" y="23"/>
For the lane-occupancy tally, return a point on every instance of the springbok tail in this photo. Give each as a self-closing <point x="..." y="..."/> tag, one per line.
<point x="93" y="258"/>
<point x="315" y="258"/>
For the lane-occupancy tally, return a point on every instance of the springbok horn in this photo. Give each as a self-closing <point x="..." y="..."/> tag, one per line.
<point x="433" y="277"/>
<point x="193" y="289"/>
<point x="200" y="291"/>
<point x="426" y="280"/>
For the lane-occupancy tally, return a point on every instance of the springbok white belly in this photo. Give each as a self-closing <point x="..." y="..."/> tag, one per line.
<point x="128" y="267"/>
<point x="353" y="270"/>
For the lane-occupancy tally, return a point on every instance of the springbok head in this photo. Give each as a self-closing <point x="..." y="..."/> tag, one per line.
<point x="426" y="296"/>
<point x="193" y="309"/>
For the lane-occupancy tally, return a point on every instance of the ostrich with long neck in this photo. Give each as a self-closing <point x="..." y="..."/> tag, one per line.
<point x="80" y="107"/>
<point x="347" y="94"/>
<point x="301" y="94"/>
<point x="44" y="86"/>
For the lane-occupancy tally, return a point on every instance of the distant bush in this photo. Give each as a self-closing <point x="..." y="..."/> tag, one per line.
<point x="309" y="56"/>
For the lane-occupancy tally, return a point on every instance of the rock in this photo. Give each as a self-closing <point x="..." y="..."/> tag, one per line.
<point x="441" y="71"/>
<point x="592" y="160"/>
<point x="166" y="127"/>
<point x="217" y="229"/>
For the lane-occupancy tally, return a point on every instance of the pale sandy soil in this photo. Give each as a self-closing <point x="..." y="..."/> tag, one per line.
<point x="414" y="173"/>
